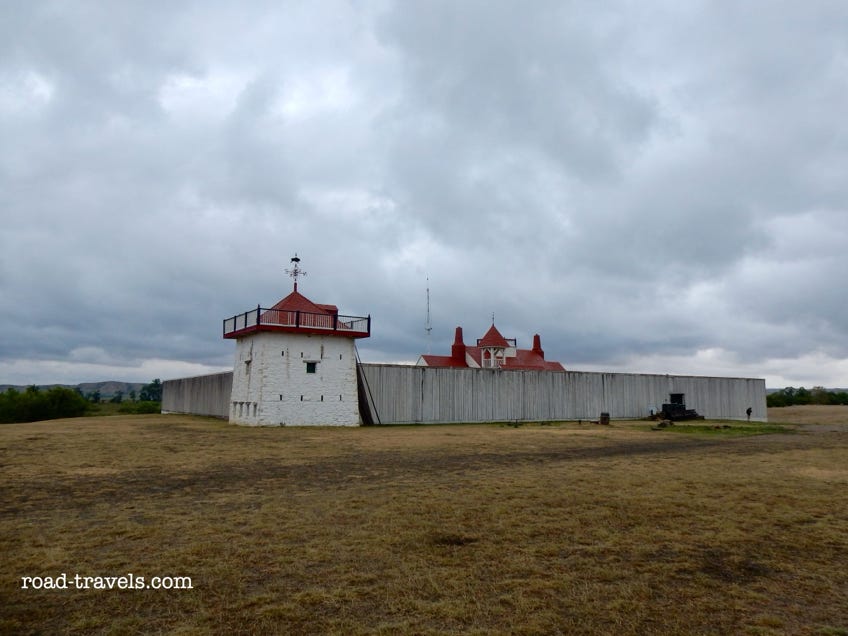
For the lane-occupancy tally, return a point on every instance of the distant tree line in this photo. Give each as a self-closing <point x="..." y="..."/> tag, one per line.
<point x="34" y="404"/>
<point x="791" y="396"/>
<point x="149" y="393"/>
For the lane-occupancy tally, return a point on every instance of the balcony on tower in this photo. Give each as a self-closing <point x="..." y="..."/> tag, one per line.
<point x="325" y="322"/>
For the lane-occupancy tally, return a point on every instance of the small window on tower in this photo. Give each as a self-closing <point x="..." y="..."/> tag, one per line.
<point x="311" y="366"/>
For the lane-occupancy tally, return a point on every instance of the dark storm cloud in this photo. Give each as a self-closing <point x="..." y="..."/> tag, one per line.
<point x="652" y="187"/>
<point x="511" y="95"/>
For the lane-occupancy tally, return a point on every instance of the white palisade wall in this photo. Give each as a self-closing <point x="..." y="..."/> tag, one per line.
<point x="272" y="385"/>
<point x="271" y="393"/>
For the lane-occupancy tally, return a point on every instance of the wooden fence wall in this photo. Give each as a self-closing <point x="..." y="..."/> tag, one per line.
<point x="200" y="395"/>
<point x="402" y="394"/>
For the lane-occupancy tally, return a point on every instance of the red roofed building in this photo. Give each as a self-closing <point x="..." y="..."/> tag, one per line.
<point x="493" y="351"/>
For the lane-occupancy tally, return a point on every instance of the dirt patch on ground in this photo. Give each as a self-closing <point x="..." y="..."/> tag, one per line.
<point x="92" y="485"/>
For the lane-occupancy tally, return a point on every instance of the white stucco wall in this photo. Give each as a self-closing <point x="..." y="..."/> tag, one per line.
<point x="271" y="386"/>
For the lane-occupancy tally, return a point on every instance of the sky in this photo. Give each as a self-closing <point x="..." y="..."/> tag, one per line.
<point x="653" y="186"/>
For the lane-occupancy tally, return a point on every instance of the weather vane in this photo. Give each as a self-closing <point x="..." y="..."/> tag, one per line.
<point x="295" y="270"/>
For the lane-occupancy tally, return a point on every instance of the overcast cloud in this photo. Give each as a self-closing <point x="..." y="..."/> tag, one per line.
<point x="652" y="186"/>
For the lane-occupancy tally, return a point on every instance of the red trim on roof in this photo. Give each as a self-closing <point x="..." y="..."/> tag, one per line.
<point x="301" y="330"/>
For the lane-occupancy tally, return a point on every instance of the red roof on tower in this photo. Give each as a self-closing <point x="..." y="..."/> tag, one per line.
<point x="296" y="301"/>
<point x="297" y="314"/>
<point x="493" y="338"/>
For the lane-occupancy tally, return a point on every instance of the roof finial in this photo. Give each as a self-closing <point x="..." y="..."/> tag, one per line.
<point x="295" y="271"/>
<point x="493" y="317"/>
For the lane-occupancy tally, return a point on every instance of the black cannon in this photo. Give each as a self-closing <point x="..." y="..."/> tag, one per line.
<point x="676" y="410"/>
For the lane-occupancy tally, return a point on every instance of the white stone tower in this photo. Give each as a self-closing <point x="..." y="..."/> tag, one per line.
<point x="295" y="363"/>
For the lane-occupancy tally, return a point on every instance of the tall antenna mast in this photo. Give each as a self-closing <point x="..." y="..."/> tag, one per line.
<point x="428" y="327"/>
<point x="295" y="270"/>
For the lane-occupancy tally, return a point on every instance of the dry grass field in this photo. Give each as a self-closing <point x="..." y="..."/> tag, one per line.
<point x="490" y="529"/>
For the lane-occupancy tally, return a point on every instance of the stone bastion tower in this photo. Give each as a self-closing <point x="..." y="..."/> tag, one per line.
<point x="295" y="363"/>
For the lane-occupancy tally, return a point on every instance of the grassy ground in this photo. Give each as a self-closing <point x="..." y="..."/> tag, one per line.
<point x="818" y="415"/>
<point x="443" y="530"/>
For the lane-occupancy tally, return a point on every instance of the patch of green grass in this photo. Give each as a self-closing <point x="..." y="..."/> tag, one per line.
<point x="124" y="408"/>
<point x="727" y="429"/>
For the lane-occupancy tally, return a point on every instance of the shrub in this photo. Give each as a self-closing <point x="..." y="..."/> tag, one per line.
<point x="147" y="406"/>
<point x="33" y="404"/>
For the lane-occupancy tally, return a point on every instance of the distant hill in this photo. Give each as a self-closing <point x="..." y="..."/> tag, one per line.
<point x="107" y="389"/>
